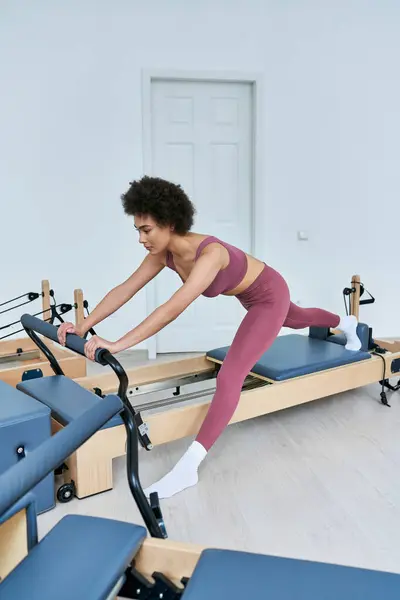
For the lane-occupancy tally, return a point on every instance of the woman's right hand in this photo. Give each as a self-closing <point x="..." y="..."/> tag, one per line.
<point x="67" y="328"/>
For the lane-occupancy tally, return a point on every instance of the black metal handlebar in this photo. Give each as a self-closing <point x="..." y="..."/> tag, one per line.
<point x="73" y="341"/>
<point x="34" y="326"/>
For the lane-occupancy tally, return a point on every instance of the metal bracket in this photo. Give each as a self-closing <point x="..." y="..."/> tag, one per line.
<point x="21" y="452"/>
<point x="98" y="391"/>
<point x="395" y="366"/>
<point x="143" y="430"/>
<point x="386" y="384"/>
<point x="394" y="388"/>
<point x="32" y="374"/>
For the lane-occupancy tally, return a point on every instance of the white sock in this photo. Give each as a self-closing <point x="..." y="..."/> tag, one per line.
<point x="348" y="325"/>
<point x="182" y="476"/>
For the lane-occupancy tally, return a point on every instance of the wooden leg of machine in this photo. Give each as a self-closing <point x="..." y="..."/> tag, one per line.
<point x="13" y="542"/>
<point x="90" y="467"/>
<point x="91" y="475"/>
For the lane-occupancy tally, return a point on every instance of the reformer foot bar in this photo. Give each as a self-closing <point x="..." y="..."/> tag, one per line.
<point x="103" y="558"/>
<point x="32" y="362"/>
<point x="297" y="369"/>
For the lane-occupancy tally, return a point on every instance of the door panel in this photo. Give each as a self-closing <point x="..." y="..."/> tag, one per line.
<point x="202" y="139"/>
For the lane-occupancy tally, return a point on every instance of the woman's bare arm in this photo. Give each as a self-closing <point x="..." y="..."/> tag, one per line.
<point x="151" y="266"/>
<point x="202" y="275"/>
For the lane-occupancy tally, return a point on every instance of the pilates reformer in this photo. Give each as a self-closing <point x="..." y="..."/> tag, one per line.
<point x="21" y="350"/>
<point x="102" y="558"/>
<point x="297" y="369"/>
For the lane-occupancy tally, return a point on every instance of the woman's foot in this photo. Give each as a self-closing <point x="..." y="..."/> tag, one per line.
<point x="182" y="476"/>
<point x="348" y="325"/>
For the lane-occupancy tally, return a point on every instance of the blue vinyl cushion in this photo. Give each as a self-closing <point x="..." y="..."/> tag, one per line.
<point x="236" y="575"/>
<point x="15" y="407"/>
<point x="66" y="399"/>
<point x="81" y="557"/>
<point x="295" y="355"/>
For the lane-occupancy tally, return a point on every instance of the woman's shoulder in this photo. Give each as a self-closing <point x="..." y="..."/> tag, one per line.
<point x="214" y="246"/>
<point x="206" y="242"/>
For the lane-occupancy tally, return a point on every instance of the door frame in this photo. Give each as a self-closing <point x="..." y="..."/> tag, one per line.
<point x="257" y="204"/>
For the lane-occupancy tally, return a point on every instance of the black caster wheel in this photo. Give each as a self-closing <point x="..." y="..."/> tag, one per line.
<point x="66" y="492"/>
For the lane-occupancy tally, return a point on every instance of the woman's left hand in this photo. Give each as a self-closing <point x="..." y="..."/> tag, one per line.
<point x="96" y="342"/>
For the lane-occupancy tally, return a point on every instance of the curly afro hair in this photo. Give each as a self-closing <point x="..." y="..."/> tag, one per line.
<point x="163" y="201"/>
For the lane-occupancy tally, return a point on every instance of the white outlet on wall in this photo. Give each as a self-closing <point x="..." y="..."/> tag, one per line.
<point x="302" y="235"/>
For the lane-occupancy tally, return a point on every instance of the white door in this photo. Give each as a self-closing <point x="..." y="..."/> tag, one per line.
<point x="202" y="139"/>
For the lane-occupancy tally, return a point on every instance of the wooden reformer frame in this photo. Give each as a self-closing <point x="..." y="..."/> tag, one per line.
<point x="30" y="358"/>
<point x="90" y="467"/>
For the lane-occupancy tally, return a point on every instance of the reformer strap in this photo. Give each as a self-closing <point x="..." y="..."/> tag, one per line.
<point x="30" y="295"/>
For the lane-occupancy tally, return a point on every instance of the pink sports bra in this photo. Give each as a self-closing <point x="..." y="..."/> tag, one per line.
<point x="227" y="279"/>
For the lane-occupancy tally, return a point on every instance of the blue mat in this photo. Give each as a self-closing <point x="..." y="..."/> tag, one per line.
<point x="221" y="574"/>
<point x="81" y="557"/>
<point x="295" y="355"/>
<point x="66" y="399"/>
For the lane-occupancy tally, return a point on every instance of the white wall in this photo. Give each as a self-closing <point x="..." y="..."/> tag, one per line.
<point x="71" y="138"/>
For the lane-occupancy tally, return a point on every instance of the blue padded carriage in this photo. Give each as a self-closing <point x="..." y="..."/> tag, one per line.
<point x="236" y="575"/>
<point x="81" y="557"/>
<point x="66" y="399"/>
<point x="294" y="355"/>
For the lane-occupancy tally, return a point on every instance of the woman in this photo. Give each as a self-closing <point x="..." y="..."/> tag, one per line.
<point x="163" y="216"/>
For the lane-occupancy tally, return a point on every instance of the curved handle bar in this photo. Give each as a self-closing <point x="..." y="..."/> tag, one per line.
<point x="23" y="476"/>
<point x="73" y="341"/>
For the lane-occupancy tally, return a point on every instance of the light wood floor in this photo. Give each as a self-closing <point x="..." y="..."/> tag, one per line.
<point x="318" y="481"/>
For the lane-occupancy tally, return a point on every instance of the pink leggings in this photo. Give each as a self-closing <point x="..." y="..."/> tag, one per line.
<point x="269" y="308"/>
